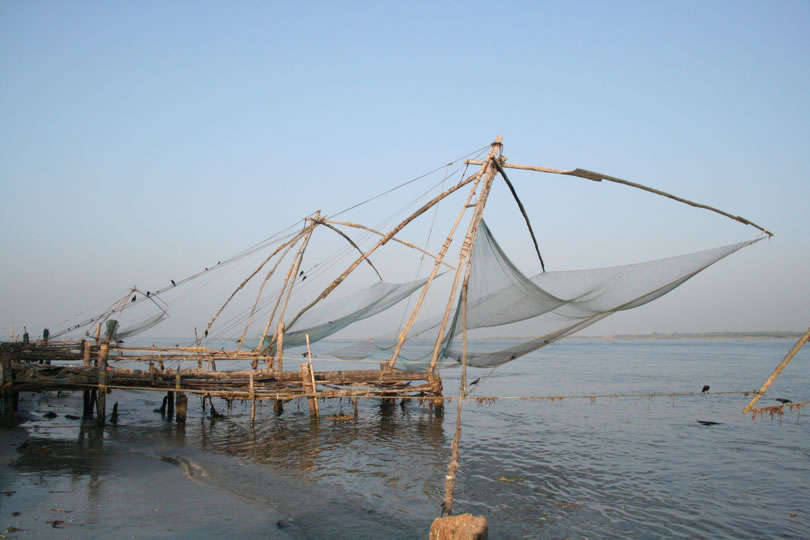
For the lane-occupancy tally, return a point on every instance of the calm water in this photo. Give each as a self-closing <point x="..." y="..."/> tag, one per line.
<point x="627" y="467"/>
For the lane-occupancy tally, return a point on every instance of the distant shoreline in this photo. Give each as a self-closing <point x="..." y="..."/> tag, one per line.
<point x="701" y="335"/>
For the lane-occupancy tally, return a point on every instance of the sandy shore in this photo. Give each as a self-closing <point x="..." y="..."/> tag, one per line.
<point x="52" y="491"/>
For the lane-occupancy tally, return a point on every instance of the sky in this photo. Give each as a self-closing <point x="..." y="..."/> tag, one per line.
<point x="142" y="140"/>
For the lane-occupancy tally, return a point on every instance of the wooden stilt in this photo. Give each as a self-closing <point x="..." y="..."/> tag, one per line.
<point x="6" y="380"/>
<point x="87" y="408"/>
<point x="101" y="397"/>
<point x="182" y="400"/>
<point x="169" y="404"/>
<point x="306" y="380"/>
<point x="252" y="401"/>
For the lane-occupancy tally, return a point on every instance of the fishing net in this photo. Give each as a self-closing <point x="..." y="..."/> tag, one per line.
<point x="325" y="320"/>
<point x="502" y="302"/>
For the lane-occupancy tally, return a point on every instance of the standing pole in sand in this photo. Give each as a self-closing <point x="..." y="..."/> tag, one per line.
<point x="782" y="365"/>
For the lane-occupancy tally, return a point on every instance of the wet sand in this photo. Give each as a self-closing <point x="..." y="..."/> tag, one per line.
<point x="45" y="494"/>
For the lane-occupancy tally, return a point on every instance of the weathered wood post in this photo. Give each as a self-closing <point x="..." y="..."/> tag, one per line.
<point x="309" y="388"/>
<point x="182" y="400"/>
<point x="87" y="408"/>
<point x="101" y="398"/>
<point x="170" y="405"/>
<point x="6" y="379"/>
<point x="252" y="400"/>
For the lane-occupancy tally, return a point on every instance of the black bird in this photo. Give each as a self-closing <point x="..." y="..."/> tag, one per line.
<point x="206" y="269"/>
<point x="476" y="381"/>
<point x="783" y="401"/>
<point x="301" y="274"/>
<point x="173" y="283"/>
<point x="705" y="388"/>
<point x="206" y="333"/>
<point x="219" y="262"/>
<point x="708" y="423"/>
<point x="303" y="278"/>
<point x="133" y="297"/>
<point x="148" y="294"/>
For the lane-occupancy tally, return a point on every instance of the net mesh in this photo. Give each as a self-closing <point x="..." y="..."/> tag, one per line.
<point x="547" y="307"/>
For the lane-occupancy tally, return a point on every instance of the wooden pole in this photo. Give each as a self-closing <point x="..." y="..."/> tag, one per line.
<point x="467" y="247"/>
<point x="382" y="241"/>
<point x="259" y="296"/>
<point x="598" y="177"/>
<point x="782" y="365"/>
<point x="378" y="233"/>
<point x="260" y="346"/>
<point x="439" y="259"/>
<point x="252" y="401"/>
<point x="295" y="268"/>
<point x="6" y="379"/>
<point x="312" y="375"/>
<point x="101" y="398"/>
<point x="87" y="408"/>
<point x="256" y="271"/>
<point x="466" y="261"/>
<point x="182" y="400"/>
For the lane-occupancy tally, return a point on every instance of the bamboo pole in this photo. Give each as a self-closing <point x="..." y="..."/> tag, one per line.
<point x="350" y="241"/>
<point x="440" y="258"/>
<point x="281" y="292"/>
<point x="313" y="402"/>
<point x="464" y="260"/>
<point x="256" y="271"/>
<point x="467" y="247"/>
<point x="252" y="401"/>
<point x="382" y="241"/>
<point x="782" y="365"/>
<point x="295" y="267"/>
<point x="259" y="295"/>
<point x="378" y="233"/>
<point x="101" y="399"/>
<point x="598" y="177"/>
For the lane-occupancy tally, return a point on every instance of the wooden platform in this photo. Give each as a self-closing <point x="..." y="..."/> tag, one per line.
<point x="90" y="367"/>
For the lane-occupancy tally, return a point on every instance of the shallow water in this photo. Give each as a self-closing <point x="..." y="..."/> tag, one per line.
<point x="613" y="467"/>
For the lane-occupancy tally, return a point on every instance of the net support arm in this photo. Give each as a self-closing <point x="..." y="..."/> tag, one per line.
<point x="598" y="177"/>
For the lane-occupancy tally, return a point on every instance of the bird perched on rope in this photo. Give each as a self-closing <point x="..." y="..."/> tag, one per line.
<point x="173" y="283"/>
<point x="148" y="294"/>
<point x="783" y="401"/>
<point x="705" y="388"/>
<point x="133" y="298"/>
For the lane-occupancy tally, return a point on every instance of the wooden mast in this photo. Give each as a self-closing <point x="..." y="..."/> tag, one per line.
<point x="439" y="259"/>
<point x="489" y="171"/>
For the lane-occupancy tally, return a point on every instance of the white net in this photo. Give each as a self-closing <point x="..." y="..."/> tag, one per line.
<point x="544" y="308"/>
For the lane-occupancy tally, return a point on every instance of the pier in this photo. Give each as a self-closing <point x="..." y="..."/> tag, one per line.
<point x="97" y="369"/>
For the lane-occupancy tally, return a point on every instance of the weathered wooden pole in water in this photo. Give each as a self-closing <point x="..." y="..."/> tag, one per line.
<point x="101" y="398"/>
<point x="782" y="365"/>
<point x="87" y="406"/>
<point x="7" y="355"/>
<point x="182" y="400"/>
<point x="252" y="401"/>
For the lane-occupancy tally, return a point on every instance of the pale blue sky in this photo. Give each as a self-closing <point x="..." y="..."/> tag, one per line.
<point x="142" y="140"/>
